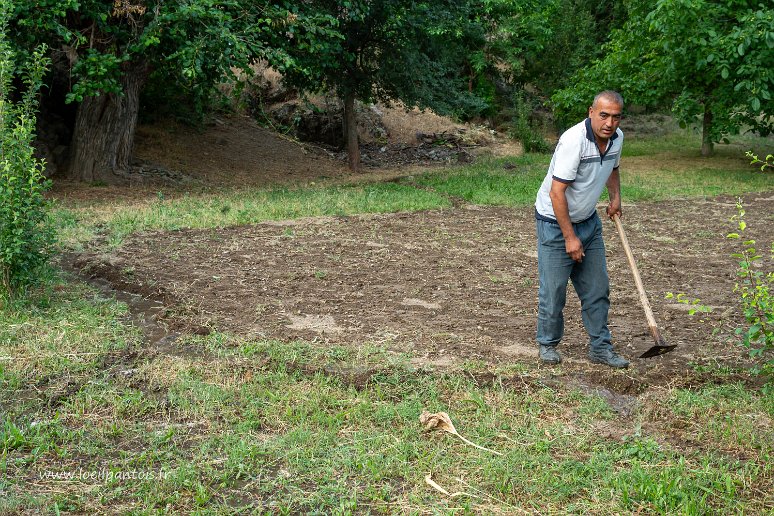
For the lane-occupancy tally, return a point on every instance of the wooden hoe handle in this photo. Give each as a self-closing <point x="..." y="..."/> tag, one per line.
<point x="638" y="281"/>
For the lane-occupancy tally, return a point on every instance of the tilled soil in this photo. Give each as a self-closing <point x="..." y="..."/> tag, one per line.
<point x="446" y="286"/>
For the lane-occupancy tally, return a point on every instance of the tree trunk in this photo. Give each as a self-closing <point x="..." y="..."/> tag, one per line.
<point x="350" y="126"/>
<point x="104" y="131"/>
<point x="706" y="135"/>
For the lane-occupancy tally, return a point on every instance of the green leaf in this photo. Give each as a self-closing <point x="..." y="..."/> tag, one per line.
<point x="755" y="103"/>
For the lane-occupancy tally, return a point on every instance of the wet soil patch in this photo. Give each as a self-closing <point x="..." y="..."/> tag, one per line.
<point x="447" y="286"/>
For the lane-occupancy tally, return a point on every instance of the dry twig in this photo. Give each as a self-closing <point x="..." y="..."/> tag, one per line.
<point x="442" y="421"/>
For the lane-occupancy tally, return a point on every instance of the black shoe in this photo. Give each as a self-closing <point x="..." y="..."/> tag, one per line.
<point x="549" y="355"/>
<point x="608" y="357"/>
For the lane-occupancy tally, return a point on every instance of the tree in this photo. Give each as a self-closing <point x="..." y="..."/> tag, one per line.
<point x="566" y="43"/>
<point x="115" y="47"/>
<point x="707" y="58"/>
<point x="386" y="50"/>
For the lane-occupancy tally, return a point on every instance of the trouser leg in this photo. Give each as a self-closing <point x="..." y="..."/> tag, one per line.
<point x="554" y="269"/>
<point x="590" y="280"/>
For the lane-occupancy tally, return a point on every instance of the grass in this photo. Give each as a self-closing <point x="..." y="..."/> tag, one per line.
<point x="654" y="175"/>
<point x="653" y="169"/>
<point x="80" y="225"/>
<point x="227" y="425"/>
<point x="94" y="421"/>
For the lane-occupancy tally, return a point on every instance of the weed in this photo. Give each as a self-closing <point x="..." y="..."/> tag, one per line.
<point x="694" y="304"/>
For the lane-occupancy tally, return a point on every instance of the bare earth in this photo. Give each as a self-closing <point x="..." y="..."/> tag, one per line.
<point x="446" y="286"/>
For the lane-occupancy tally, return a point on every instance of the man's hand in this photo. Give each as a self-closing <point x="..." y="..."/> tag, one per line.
<point x="574" y="248"/>
<point x="572" y="243"/>
<point x="614" y="208"/>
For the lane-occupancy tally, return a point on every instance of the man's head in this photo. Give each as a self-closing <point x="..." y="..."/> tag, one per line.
<point x="605" y="114"/>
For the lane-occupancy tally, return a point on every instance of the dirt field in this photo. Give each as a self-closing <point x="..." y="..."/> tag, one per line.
<point x="447" y="286"/>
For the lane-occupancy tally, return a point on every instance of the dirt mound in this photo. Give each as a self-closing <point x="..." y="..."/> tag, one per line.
<point x="232" y="151"/>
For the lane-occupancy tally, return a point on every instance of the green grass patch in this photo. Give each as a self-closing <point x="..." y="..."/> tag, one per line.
<point x="76" y="226"/>
<point x="227" y="426"/>
<point x="59" y="337"/>
<point x="501" y="182"/>
<point x="666" y="174"/>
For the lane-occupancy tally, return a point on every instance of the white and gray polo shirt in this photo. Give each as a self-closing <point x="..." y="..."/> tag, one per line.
<point x="577" y="161"/>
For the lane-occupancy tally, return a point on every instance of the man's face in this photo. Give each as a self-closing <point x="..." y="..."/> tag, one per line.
<point x="605" y="116"/>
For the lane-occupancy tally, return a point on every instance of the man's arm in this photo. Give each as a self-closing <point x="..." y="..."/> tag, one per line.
<point x="572" y="243"/>
<point x="614" y="192"/>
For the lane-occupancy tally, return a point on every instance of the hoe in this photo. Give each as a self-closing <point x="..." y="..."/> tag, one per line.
<point x="661" y="346"/>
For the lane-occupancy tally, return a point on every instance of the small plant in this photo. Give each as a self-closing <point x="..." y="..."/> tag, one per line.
<point x="768" y="162"/>
<point x="754" y="289"/>
<point x="694" y="304"/>
<point x="25" y="234"/>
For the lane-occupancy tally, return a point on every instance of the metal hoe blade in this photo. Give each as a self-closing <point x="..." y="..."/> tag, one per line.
<point x="659" y="349"/>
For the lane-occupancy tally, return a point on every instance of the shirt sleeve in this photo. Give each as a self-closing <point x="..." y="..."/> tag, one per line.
<point x="620" y="151"/>
<point x="567" y="158"/>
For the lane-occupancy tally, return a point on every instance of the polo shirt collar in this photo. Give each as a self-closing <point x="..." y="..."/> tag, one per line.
<point x="590" y="132"/>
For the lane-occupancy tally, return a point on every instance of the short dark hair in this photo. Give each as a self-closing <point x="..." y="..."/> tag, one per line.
<point x="610" y="95"/>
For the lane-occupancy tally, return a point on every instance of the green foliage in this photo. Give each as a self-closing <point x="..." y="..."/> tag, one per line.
<point x="185" y="47"/>
<point x="390" y="50"/>
<point x="755" y="289"/>
<point x="25" y="236"/>
<point x="523" y="129"/>
<point x="767" y="162"/>
<point x="569" y="35"/>
<point x="703" y="57"/>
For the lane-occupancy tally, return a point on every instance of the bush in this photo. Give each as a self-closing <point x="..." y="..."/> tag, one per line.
<point x="521" y="129"/>
<point x="25" y="234"/>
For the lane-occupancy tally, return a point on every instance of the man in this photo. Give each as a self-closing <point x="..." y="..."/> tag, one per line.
<point x="569" y="231"/>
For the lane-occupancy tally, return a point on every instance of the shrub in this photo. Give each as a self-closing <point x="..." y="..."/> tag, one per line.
<point x="523" y="130"/>
<point x="25" y="234"/>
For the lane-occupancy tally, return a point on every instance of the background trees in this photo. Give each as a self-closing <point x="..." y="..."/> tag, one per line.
<point x="709" y="60"/>
<point x="387" y="50"/>
<point x="115" y="49"/>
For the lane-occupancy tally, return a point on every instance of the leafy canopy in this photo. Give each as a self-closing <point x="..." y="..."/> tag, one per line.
<point x="188" y="45"/>
<point x="696" y="55"/>
<point x="393" y="50"/>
